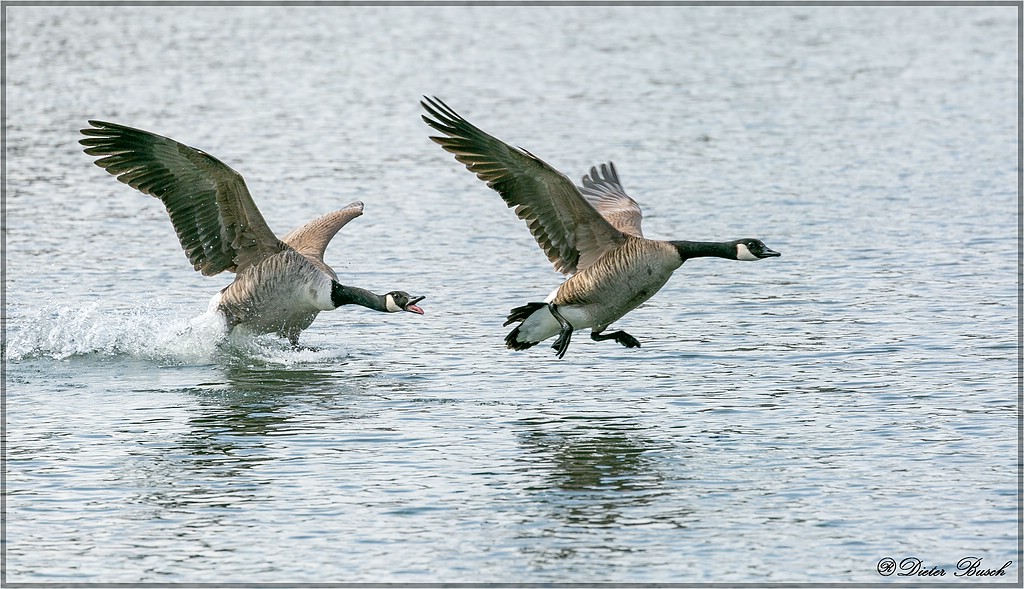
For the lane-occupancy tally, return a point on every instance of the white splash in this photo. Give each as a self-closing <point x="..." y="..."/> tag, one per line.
<point x="63" y="331"/>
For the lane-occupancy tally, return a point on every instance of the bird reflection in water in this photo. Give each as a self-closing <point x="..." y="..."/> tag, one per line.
<point x="596" y="472"/>
<point x="230" y="426"/>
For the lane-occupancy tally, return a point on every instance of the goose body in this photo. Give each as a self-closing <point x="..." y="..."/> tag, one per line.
<point x="283" y="294"/>
<point x="603" y="293"/>
<point x="592" y="233"/>
<point x="281" y="284"/>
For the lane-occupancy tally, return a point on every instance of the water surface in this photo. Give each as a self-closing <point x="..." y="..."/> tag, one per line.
<point x="795" y="420"/>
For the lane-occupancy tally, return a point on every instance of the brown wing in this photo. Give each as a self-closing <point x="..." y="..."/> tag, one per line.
<point x="217" y="222"/>
<point x="312" y="238"/>
<point x="603" y="190"/>
<point x="567" y="227"/>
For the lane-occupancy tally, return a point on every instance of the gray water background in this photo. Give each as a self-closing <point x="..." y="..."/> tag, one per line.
<point x="794" y="420"/>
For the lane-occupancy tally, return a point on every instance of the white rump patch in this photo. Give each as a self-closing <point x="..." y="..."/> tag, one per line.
<point x="542" y="324"/>
<point x="539" y="326"/>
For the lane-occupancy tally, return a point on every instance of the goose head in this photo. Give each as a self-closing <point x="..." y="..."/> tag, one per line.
<point x="749" y="250"/>
<point x="399" y="300"/>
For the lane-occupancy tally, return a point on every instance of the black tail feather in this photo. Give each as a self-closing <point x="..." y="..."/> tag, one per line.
<point x="520" y="314"/>
<point x="513" y="344"/>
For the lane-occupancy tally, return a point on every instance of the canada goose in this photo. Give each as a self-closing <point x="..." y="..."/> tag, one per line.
<point x="280" y="284"/>
<point x="591" y="233"/>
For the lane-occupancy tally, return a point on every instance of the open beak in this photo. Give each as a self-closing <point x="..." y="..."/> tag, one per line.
<point x="412" y="308"/>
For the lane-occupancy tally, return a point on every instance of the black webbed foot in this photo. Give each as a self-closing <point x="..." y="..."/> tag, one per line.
<point x="621" y="337"/>
<point x="565" y="336"/>
<point x="562" y="343"/>
<point x="627" y="340"/>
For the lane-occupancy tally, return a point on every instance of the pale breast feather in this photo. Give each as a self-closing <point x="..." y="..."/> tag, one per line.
<point x="622" y="278"/>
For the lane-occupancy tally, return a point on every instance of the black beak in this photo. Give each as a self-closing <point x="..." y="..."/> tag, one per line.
<point x="769" y="253"/>
<point x="411" y="305"/>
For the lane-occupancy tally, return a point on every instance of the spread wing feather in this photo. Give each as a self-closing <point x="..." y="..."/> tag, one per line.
<point x="217" y="222"/>
<point x="603" y="190"/>
<point x="572" y="233"/>
<point x="312" y="238"/>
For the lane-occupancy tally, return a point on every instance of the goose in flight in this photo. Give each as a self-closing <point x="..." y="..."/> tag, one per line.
<point x="590" y="233"/>
<point x="281" y="284"/>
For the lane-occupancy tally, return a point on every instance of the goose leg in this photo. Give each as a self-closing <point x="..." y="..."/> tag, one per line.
<point x="619" y="336"/>
<point x="562" y="343"/>
<point x="294" y="341"/>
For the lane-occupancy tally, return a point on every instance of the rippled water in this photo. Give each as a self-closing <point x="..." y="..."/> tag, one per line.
<point x="798" y="419"/>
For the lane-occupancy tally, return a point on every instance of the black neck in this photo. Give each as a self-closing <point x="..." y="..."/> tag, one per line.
<point x="353" y="295"/>
<point x="705" y="249"/>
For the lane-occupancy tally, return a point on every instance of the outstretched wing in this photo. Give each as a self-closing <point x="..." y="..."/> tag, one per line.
<point x="217" y="222"/>
<point x="567" y="227"/>
<point x="603" y="190"/>
<point x="312" y="238"/>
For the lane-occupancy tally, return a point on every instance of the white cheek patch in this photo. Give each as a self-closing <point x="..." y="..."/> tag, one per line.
<point x="389" y="303"/>
<point x="743" y="253"/>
